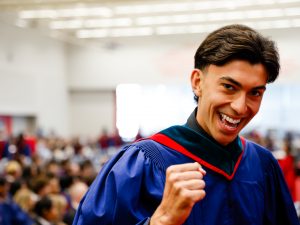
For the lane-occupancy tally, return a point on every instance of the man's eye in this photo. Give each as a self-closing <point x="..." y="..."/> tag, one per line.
<point x="256" y="93"/>
<point x="228" y="86"/>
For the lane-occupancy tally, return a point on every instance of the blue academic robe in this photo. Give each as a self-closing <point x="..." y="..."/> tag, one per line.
<point x="129" y="188"/>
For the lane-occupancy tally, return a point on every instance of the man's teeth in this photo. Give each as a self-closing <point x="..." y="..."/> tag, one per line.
<point x="228" y="119"/>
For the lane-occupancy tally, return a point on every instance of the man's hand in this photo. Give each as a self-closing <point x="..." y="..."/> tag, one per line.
<point x="184" y="187"/>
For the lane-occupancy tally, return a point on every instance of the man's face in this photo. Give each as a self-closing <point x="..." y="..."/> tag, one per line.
<point x="229" y="97"/>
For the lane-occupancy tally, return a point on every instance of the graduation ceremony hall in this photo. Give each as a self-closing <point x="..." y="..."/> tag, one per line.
<point x="106" y="104"/>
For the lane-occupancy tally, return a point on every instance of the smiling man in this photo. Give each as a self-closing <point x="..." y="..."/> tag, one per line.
<point x="203" y="172"/>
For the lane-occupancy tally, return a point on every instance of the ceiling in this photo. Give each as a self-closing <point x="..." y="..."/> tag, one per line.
<point x="74" y="21"/>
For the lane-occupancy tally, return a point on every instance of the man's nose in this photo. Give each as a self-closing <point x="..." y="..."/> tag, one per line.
<point x="239" y="104"/>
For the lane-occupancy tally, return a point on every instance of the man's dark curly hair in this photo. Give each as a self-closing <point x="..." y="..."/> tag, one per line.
<point x="238" y="42"/>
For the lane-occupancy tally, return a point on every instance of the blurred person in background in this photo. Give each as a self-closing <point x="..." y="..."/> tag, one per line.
<point x="17" y="149"/>
<point x="54" y="184"/>
<point x="287" y="164"/>
<point x="202" y="172"/>
<point x="116" y="139"/>
<point x="76" y="193"/>
<point x="41" y="185"/>
<point x="3" y="141"/>
<point x="87" y="172"/>
<point x="61" y="205"/>
<point x="10" y="212"/>
<point x="26" y="199"/>
<point x="53" y="167"/>
<point x="46" y="213"/>
<point x="269" y="141"/>
<point x="104" y="141"/>
<point x="43" y="150"/>
<point x="13" y="171"/>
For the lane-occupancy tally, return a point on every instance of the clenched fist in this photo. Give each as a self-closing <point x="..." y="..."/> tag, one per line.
<point x="184" y="187"/>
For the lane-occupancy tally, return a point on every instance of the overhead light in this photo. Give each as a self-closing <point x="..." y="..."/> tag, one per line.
<point x="162" y="7"/>
<point x="84" y="12"/>
<point x="254" y="14"/>
<point x="38" y="14"/>
<point x="292" y="11"/>
<point x="117" y="32"/>
<point x="90" y="23"/>
<point x="287" y="1"/>
<point x="215" y="16"/>
<point x="184" y="18"/>
<point x="71" y="24"/>
<point x="171" y="19"/>
<point x="192" y="29"/>
<point x="171" y="30"/>
<point x="153" y="20"/>
<point x="134" y="9"/>
<point x="187" y="16"/>
<point x="193" y="6"/>
<point x="267" y="24"/>
<point x="117" y="22"/>
<point x="164" y="30"/>
<point x="127" y="32"/>
<point x="64" y="13"/>
<point x="152" y="8"/>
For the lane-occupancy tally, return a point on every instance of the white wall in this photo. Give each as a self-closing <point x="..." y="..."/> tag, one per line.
<point x="91" y="111"/>
<point x="32" y="78"/>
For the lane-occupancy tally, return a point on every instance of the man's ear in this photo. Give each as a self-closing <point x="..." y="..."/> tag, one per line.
<point x="196" y="81"/>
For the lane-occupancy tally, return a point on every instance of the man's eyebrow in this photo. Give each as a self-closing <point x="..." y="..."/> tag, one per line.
<point x="229" y="79"/>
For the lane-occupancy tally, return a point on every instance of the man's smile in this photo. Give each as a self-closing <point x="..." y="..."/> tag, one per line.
<point x="228" y="121"/>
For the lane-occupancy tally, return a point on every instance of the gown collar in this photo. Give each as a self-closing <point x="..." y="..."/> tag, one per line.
<point x="192" y="141"/>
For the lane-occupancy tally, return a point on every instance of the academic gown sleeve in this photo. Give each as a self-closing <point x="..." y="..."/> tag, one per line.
<point x="126" y="191"/>
<point x="280" y="209"/>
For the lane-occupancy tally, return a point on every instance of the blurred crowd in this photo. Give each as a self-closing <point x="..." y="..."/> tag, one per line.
<point x="43" y="178"/>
